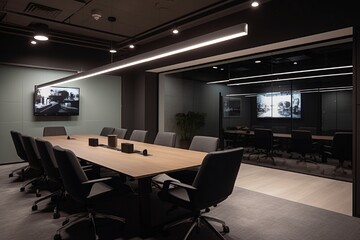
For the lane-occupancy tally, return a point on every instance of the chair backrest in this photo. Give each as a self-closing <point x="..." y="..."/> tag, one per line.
<point x="19" y="146"/>
<point x="263" y="138"/>
<point x="204" y="144"/>
<point x="54" y="131"/>
<point x="342" y="146"/>
<point x="301" y="141"/>
<point x="165" y="139"/>
<point x="216" y="177"/>
<point x="138" y="135"/>
<point x="32" y="152"/>
<point x="280" y="129"/>
<point x="71" y="173"/>
<point x="311" y="129"/>
<point x="120" y="132"/>
<point x="47" y="158"/>
<point x="107" y="131"/>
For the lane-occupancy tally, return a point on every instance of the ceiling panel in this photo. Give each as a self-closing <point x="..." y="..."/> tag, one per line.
<point x="133" y="17"/>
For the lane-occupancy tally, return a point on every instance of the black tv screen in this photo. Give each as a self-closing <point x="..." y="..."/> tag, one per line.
<point x="279" y="105"/>
<point x="57" y="101"/>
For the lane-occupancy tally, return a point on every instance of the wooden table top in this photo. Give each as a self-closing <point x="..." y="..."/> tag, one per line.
<point x="282" y="135"/>
<point x="160" y="159"/>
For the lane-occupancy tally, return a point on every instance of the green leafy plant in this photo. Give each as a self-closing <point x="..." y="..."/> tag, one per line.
<point x="188" y="123"/>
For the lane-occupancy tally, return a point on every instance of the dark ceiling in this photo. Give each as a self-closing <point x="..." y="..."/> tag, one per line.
<point x="310" y="57"/>
<point x="70" y="22"/>
<point x="120" y="22"/>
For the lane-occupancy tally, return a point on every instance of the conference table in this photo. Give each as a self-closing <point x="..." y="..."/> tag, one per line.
<point x="281" y="135"/>
<point x="159" y="159"/>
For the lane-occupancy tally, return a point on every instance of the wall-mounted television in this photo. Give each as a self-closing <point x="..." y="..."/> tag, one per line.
<point x="279" y="105"/>
<point x="57" y="101"/>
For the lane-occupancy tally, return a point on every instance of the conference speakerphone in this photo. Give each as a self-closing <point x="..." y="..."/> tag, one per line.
<point x="125" y="147"/>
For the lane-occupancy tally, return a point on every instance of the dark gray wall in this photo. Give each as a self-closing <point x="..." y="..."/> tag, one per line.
<point x="336" y="111"/>
<point x="151" y="105"/>
<point x="133" y="99"/>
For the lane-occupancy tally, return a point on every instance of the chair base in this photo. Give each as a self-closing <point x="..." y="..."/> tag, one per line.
<point x="263" y="154"/>
<point x="197" y="221"/>
<point x="22" y="170"/>
<point x="56" y="196"/>
<point x="36" y="181"/>
<point x="89" y="216"/>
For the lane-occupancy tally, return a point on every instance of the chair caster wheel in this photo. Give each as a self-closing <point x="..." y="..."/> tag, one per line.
<point x="34" y="207"/>
<point x="226" y="229"/>
<point x="56" y="215"/>
<point x="22" y="189"/>
<point x="11" y="175"/>
<point x="57" y="237"/>
<point x="65" y="222"/>
<point x="38" y="194"/>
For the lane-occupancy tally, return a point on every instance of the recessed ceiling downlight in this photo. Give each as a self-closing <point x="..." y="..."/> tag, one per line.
<point x="40" y="37"/>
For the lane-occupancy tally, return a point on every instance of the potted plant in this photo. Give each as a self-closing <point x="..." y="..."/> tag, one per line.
<point x="188" y="123"/>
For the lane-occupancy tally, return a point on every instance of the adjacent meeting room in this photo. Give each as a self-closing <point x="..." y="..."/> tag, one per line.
<point x="164" y="119"/>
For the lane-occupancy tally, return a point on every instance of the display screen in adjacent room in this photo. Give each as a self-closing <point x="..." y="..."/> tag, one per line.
<point x="279" y="105"/>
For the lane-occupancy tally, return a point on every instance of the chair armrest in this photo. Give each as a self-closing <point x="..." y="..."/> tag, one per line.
<point x="167" y="184"/>
<point x="87" y="167"/>
<point x="92" y="181"/>
<point x="327" y="148"/>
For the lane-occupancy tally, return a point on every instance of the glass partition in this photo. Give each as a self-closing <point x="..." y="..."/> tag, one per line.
<point x="307" y="88"/>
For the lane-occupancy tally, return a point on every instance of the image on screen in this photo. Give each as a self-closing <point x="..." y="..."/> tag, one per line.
<point x="57" y="101"/>
<point x="279" y="105"/>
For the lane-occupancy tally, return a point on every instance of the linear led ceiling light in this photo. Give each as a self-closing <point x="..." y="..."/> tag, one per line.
<point x="194" y="43"/>
<point x="278" y="74"/>
<point x="291" y="72"/>
<point x="290" y="79"/>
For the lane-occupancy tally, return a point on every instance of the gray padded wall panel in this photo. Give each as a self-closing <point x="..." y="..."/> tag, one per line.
<point x="100" y="105"/>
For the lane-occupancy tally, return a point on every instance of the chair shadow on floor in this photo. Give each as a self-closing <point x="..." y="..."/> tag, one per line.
<point x="283" y="162"/>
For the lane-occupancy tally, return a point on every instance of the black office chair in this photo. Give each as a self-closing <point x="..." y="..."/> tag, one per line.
<point x="120" y="132"/>
<point x="212" y="185"/>
<point x="20" y="151"/>
<point x="165" y="139"/>
<point x="340" y="149"/>
<point x="48" y="160"/>
<point x="204" y="144"/>
<point x="54" y="131"/>
<point x="234" y="139"/>
<point x="301" y="143"/>
<point x="34" y="163"/>
<point x="264" y="143"/>
<point x="201" y="144"/>
<point x="138" y="135"/>
<point x="107" y="131"/>
<point x="87" y="192"/>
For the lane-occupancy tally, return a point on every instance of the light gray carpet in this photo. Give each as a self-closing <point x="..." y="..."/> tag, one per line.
<point x="250" y="215"/>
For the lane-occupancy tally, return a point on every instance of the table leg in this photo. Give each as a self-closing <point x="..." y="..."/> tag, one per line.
<point x="144" y="190"/>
